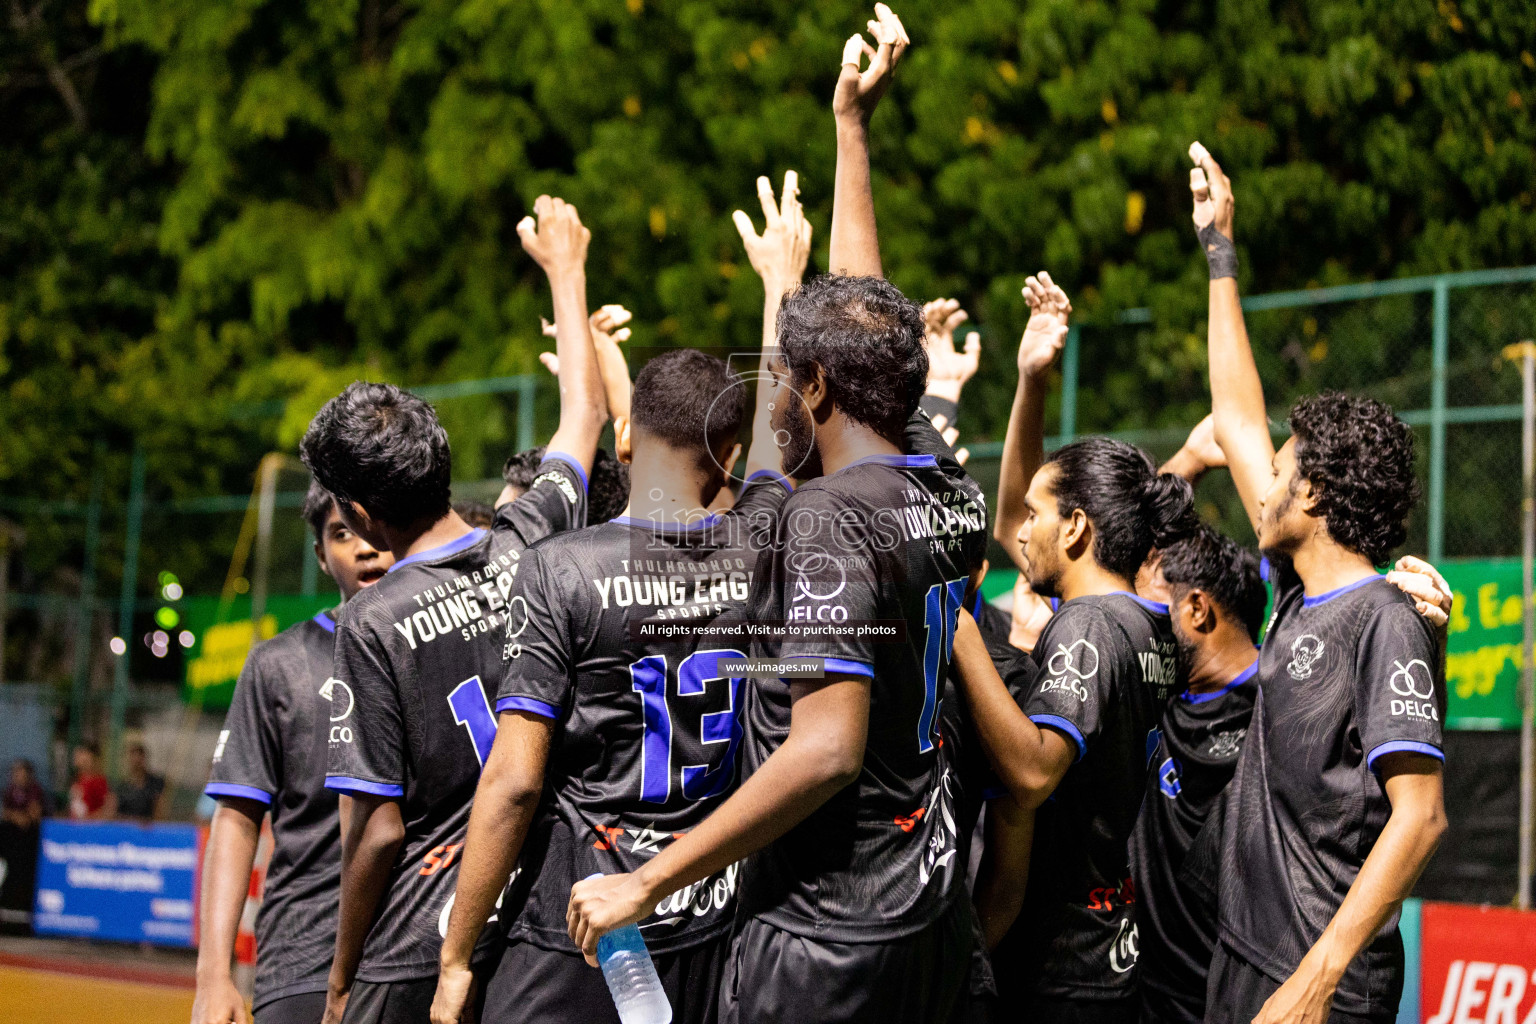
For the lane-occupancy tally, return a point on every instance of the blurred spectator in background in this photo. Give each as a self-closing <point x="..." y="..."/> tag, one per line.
<point x="20" y="823"/>
<point x="90" y="798"/>
<point x="141" y="793"/>
<point x="476" y="513"/>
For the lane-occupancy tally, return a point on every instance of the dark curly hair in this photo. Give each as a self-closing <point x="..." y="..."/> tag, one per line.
<point x="867" y="338"/>
<point x="1132" y="507"/>
<point x="382" y="448"/>
<point x="1221" y="567"/>
<point x="607" y="484"/>
<point x="690" y="401"/>
<point x="1358" y="457"/>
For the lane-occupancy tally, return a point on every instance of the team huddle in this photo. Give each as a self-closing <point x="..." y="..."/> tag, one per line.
<point x="772" y="720"/>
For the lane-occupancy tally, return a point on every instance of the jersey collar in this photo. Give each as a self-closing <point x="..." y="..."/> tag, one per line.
<point x="653" y="524"/>
<point x="325" y="622"/>
<point x="1237" y="680"/>
<point x="896" y="461"/>
<point x="1152" y="606"/>
<point x="1313" y="602"/>
<point x="453" y="547"/>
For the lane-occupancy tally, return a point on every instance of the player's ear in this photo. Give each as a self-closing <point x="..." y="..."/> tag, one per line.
<point x="622" y="444"/>
<point x="1076" y="534"/>
<point x="817" y="397"/>
<point x="729" y="463"/>
<point x="1202" y="616"/>
<point x="325" y="566"/>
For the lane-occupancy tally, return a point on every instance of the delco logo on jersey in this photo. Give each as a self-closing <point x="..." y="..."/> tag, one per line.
<point x="1414" y="685"/>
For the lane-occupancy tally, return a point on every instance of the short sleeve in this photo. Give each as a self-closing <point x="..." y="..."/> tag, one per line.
<point x="247" y="760"/>
<point x="556" y="501"/>
<point x="1400" y="680"/>
<point x="828" y="578"/>
<point x="1076" y="658"/>
<point x="538" y="657"/>
<point x="366" y="753"/>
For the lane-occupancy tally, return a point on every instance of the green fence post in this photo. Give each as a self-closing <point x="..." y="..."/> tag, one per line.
<point x="1069" y="385"/>
<point x="1439" y="357"/>
<point x="87" y="610"/>
<point x="125" y="602"/>
<point x="527" y="389"/>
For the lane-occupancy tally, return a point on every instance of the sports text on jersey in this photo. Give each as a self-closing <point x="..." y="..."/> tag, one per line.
<point x="471" y="604"/>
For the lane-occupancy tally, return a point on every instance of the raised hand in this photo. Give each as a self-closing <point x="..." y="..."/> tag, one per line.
<point x="948" y="369"/>
<point x="780" y="253"/>
<point x="858" y="92"/>
<point x="606" y="331"/>
<point x="1421" y="581"/>
<point x="1212" y="190"/>
<point x="1046" y="331"/>
<point x="559" y="241"/>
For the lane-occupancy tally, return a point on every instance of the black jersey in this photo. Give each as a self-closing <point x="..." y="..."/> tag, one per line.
<point x="1194" y="756"/>
<point x="272" y="750"/>
<point x="1344" y="678"/>
<point x="650" y="726"/>
<point x="1106" y="665"/>
<point x="418" y="662"/>
<point x="887" y="544"/>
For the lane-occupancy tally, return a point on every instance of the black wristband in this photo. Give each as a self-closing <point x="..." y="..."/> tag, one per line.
<point x="1220" y="252"/>
<point x="933" y="406"/>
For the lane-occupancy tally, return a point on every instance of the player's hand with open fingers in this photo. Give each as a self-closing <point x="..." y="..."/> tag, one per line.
<point x="1430" y="592"/>
<point x="1212" y="191"/>
<point x="780" y="253"/>
<point x="605" y="327"/>
<point x="558" y="240"/>
<point x="219" y="1003"/>
<point x="948" y="368"/>
<point x="599" y="905"/>
<point x="1046" y="331"/>
<point x="857" y="91"/>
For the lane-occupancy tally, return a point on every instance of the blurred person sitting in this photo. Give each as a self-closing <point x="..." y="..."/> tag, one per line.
<point x="90" y="797"/>
<point x="141" y="793"/>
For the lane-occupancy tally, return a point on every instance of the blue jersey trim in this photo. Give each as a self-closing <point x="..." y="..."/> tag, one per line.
<point x="653" y="524"/>
<point x="1313" y="602"/>
<point x="852" y="668"/>
<point x="1264" y="568"/>
<point x="1400" y="746"/>
<point x="775" y="475"/>
<point x="1154" y="607"/>
<point x="896" y="461"/>
<point x="1237" y="680"/>
<point x="993" y="792"/>
<point x="325" y="622"/>
<point x="347" y="784"/>
<point x="453" y="547"/>
<point x="569" y="460"/>
<point x="529" y="704"/>
<point x="1066" y="726"/>
<point x="1055" y="604"/>
<point x="243" y="792"/>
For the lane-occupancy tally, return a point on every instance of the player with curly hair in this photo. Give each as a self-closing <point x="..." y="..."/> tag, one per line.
<point x="1338" y="800"/>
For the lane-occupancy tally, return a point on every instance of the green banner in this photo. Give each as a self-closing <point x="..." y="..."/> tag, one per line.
<point x="222" y="638"/>
<point x="1482" y="665"/>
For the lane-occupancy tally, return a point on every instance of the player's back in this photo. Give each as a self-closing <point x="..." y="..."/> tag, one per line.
<point x="870" y="566"/>
<point x="615" y="646"/>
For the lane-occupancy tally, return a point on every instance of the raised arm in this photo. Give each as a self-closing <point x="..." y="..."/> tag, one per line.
<point x="948" y="368"/>
<point x="1024" y="444"/>
<point x="855" y="245"/>
<point x="1199" y="455"/>
<point x="779" y="256"/>
<point x="1029" y="761"/>
<point x="559" y="244"/>
<point x="1237" y="397"/>
<point x="608" y="330"/>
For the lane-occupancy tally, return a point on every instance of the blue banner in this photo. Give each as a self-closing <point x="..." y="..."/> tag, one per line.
<point x="104" y="880"/>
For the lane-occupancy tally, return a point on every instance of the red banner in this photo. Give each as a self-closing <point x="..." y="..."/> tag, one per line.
<point x="1478" y="965"/>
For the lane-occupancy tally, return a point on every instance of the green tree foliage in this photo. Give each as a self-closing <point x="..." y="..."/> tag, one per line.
<point x="259" y="200"/>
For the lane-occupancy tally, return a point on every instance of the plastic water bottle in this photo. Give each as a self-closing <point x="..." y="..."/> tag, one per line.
<point x="632" y="978"/>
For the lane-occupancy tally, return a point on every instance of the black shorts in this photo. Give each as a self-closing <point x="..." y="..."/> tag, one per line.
<point x="1068" y="1010"/>
<point x="1237" y="991"/>
<point x="537" y="985"/>
<point x="1159" y="1007"/>
<point x="304" y="1008"/>
<point x="405" y="1002"/>
<point x="774" y="976"/>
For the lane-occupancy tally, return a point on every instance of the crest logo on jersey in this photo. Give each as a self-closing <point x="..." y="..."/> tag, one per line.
<point x="1413" y="680"/>
<point x="1306" y="650"/>
<point x="1079" y="658"/>
<point x="335" y="691"/>
<point x="1126" y="948"/>
<point x="1227" y="744"/>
